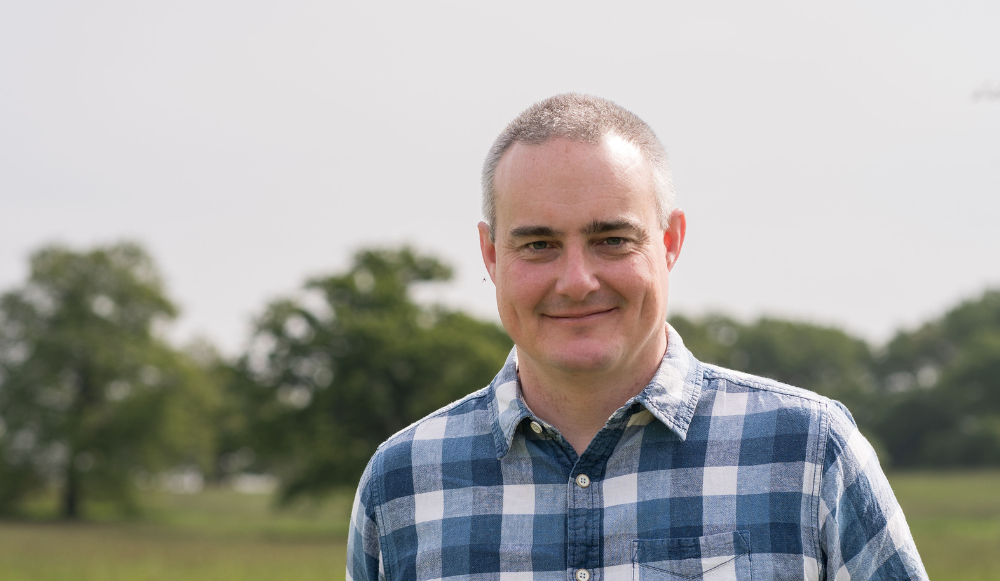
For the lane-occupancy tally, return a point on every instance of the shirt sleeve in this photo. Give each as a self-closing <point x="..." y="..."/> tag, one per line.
<point x="364" y="553"/>
<point x="862" y="529"/>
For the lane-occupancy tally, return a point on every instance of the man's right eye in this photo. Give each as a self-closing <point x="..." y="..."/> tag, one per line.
<point x="538" y="245"/>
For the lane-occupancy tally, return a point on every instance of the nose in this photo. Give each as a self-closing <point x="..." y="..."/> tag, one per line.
<point x="576" y="280"/>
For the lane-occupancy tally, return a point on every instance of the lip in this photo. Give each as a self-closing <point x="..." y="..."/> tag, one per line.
<point x="579" y="317"/>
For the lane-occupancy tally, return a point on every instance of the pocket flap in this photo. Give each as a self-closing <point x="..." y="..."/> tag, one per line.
<point x="724" y="555"/>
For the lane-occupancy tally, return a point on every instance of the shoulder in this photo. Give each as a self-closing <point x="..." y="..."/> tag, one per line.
<point x="776" y="410"/>
<point x="469" y="416"/>
<point x="724" y="377"/>
<point x="456" y="419"/>
<point x="769" y="393"/>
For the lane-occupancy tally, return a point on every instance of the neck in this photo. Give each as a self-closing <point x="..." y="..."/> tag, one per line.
<point x="579" y="403"/>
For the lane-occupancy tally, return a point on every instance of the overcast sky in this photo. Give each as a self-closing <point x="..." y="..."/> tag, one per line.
<point x="832" y="159"/>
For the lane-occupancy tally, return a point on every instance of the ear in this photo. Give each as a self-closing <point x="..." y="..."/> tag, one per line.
<point x="489" y="250"/>
<point x="673" y="237"/>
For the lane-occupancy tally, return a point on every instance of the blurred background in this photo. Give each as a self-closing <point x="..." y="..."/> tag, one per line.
<point x="238" y="249"/>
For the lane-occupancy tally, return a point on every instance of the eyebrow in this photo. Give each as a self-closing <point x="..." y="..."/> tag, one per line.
<point x="533" y="231"/>
<point x="602" y="226"/>
<point x="595" y="227"/>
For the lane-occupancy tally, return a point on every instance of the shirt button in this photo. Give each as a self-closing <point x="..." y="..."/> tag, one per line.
<point x="582" y="575"/>
<point x="536" y="427"/>
<point x="582" y="481"/>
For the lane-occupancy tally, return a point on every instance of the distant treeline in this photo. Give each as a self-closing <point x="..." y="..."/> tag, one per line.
<point x="94" y="400"/>
<point x="929" y="398"/>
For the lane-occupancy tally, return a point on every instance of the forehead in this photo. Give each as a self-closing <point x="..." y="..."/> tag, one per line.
<point x="564" y="178"/>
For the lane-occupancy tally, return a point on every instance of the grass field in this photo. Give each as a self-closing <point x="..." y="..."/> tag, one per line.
<point x="955" y="520"/>
<point x="215" y="535"/>
<point x="223" y="536"/>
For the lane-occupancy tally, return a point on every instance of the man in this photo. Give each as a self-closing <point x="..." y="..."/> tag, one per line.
<point x="604" y="450"/>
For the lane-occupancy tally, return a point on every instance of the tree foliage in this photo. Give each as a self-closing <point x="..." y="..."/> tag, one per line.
<point x="942" y="388"/>
<point x="332" y="373"/>
<point x="88" y="393"/>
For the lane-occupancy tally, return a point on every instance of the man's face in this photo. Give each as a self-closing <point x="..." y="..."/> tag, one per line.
<point x="579" y="260"/>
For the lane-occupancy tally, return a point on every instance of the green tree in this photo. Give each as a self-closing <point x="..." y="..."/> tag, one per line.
<point x="88" y="393"/>
<point x="942" y="386"/>
<point x="334" y="372"/>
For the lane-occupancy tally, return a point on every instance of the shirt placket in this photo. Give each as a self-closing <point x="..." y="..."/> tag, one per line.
<point x="584" y="506"/>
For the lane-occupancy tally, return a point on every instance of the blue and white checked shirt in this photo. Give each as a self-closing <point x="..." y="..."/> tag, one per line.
<point x="706" y="474"/>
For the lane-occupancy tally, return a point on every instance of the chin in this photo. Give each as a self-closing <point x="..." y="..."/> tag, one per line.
<point x="584" y="358"/>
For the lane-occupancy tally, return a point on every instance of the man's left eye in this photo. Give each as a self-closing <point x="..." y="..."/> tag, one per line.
<point x="614" y="241"/>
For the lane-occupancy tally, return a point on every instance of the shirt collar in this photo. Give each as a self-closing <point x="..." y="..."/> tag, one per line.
<point x="671" y="396"/>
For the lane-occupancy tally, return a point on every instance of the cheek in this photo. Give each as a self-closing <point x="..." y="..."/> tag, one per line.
<point x="520" y="286"/>
<point x="633" y="278"/>
<point x="641" y="285"/>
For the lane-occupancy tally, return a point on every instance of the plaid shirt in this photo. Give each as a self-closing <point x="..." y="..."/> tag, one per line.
<point x="706" y="474"/>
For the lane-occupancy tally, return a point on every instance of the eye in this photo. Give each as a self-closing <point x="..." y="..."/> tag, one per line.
<point x="614" y="241"/>
<point x="538" y="245"/>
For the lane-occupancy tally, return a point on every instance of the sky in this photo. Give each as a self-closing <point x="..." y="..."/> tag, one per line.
<point x="838" y="164"/>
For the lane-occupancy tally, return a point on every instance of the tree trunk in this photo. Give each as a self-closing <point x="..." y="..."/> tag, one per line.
<point x="71" y="494"/>
<point x="84" y="397"/>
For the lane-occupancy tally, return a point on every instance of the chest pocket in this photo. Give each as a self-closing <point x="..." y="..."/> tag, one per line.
<point x="719" y="557"/>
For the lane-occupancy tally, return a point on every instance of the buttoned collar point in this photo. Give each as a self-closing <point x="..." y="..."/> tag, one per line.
<point x="671" y="396"/>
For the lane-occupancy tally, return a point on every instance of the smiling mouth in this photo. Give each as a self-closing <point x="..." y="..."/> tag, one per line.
<point x="572" y="317"/>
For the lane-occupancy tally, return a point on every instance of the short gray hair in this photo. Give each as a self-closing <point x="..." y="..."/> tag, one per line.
<point x="581" y="118"/>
